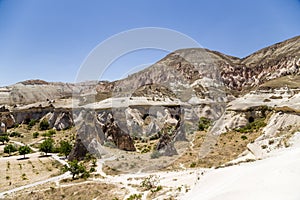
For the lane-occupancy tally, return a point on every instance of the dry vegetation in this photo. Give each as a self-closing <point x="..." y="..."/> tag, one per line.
<point x="28" y="139"/>
<point x="133" y="162"/>
<point x="15" y="173"/>
<point x="290" y="81"/>
<point x="221" y="149"/>
<point x="86" y="190"/>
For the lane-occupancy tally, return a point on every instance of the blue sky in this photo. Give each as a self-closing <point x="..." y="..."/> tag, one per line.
<point x="49" y="39"/>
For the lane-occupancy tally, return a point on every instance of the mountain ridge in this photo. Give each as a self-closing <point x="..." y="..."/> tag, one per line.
<point x="219" y="53"/>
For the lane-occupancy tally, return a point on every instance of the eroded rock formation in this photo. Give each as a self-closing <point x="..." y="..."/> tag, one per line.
<point x="121" y="139"/>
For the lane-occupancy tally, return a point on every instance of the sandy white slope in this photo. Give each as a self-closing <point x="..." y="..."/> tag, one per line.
<point x="276" y="178"/>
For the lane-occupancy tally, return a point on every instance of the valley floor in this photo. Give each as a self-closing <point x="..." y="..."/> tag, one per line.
<point x="275" y="177"/>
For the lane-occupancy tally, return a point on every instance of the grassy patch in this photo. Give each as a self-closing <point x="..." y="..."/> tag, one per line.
<point x="78" y="191"/>
<point x="253" y="126"/>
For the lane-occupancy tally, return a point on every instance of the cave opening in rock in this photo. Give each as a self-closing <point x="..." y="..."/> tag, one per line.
<point x="145" y="115"/>
<point x="251" y="119"/>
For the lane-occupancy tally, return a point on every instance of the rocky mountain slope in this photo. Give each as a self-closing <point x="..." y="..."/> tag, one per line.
<point x="166" y="100"/>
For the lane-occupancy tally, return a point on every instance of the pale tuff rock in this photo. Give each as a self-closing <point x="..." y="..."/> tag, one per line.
<point x="3" y="127"/>
<point x="59" y="120"/>
<point x="185" y="85"/>
<point x="280" y="121"/>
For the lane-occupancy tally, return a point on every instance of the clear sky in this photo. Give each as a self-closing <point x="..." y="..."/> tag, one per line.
<point x="49" y="39"/>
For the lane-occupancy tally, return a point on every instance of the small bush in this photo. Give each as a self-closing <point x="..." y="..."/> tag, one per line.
<point x="275" y="97"/>
<point x="32" y="123"/>
<point x="92" y="169"/>
<point x="24" y="177"/>
<point x="158" y="188"/>
<point x="35" y="134"/>
<point x="4" y="138"/>
<point x="52" y="132"/>
<point x="44" y="125"/>
<point x="149" y="182"/>
<point x="193" y="164"/>
<point x="135" y="197"/>
<point x="267" y="100"/>
<point x="264" y="146"/>
<point x="49" y="133"/>
<point x="204" y="124"/>
<point x="244" y="137"/>
<point x="15" y="134"/>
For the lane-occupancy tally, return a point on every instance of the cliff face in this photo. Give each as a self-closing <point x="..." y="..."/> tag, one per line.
<point x="185" y="69"/>
<point x="33" y="91"/>
<point x="182" y="87"/>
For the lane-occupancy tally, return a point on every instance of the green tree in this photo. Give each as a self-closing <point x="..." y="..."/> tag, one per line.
<point x="10" y="149"/>
<point x="65" y="148"/>
<point x="47" y="146"/>
<point x="44" y="125"/>
<point x="4" y="138"/>
<point x="23" y="150"/>
<point x="76" y="169"/>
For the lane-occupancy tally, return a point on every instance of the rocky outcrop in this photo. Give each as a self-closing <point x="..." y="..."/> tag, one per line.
<point x="183" y="86"/>
<point x="33" y="91"/>
<point x="7" y="119"/>
<point x="23" y="116"/>
<point x="79" y="151"/>
<point x="60" y="119"/>
<point x="272" y="62"/>
<point x="3" y="128"/>
<point x="121" y="139"/>
<point x="165" y="146"/>
<point x="89" y="129"/>
<point x="63" y="121"/>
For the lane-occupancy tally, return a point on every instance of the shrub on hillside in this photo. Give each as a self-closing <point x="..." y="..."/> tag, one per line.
<point x="204" y="124"/>
<point x="15" y="134"/>
<point x="32" y="123"/>
<point x="35" y="134"/>
<point x="253" y="126"/>
<point x="44" y="125"/>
